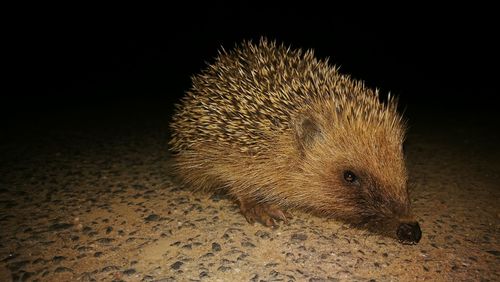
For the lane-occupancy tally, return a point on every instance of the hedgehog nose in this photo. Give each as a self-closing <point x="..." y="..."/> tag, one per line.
<point x="409" y="233"/>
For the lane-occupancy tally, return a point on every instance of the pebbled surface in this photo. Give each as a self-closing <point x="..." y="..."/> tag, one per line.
<point x="92" y="200"/>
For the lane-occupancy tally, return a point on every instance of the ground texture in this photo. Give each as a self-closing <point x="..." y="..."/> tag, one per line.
<point x="92" y="199"/>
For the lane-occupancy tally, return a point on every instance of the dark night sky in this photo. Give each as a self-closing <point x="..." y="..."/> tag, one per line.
<point x="75" y="57"/>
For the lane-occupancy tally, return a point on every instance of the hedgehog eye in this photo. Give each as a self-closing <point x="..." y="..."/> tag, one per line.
<point x="350" y="177"/>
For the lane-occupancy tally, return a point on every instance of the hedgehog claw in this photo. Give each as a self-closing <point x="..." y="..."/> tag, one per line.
<point x="266" y="214"/>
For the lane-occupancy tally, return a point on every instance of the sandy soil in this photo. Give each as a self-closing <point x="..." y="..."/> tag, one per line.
<point x="93" y="200"/>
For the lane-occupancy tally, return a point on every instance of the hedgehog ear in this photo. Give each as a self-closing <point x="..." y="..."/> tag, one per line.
<point x="307" y="130"/>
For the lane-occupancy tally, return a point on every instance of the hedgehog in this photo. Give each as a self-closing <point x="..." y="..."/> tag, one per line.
<point x="278" y="129"/>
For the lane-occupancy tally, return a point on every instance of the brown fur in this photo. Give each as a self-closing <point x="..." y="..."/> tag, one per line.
<point x="271" y="125"/>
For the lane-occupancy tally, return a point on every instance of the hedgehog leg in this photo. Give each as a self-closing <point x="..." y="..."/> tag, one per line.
<point x="267" y="214"/>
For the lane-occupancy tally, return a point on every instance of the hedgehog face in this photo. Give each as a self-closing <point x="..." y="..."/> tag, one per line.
<point x="361" y="174"/>
<point x="377" y="197"/>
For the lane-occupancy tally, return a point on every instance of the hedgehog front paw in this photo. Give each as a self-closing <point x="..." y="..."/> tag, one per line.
<point x="268" y="215"/>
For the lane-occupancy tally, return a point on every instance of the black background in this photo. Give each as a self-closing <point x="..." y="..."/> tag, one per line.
<point x="83" y="58"/>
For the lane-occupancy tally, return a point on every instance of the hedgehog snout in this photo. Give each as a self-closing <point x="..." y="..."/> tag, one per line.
<point x="409" y="232"/>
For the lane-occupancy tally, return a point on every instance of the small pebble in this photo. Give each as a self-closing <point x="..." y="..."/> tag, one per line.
<point x="216" y="247"/>
<point x="176" y="265"/>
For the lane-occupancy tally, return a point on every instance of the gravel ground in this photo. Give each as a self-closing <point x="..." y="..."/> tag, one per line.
<point x="93" y="200"/>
